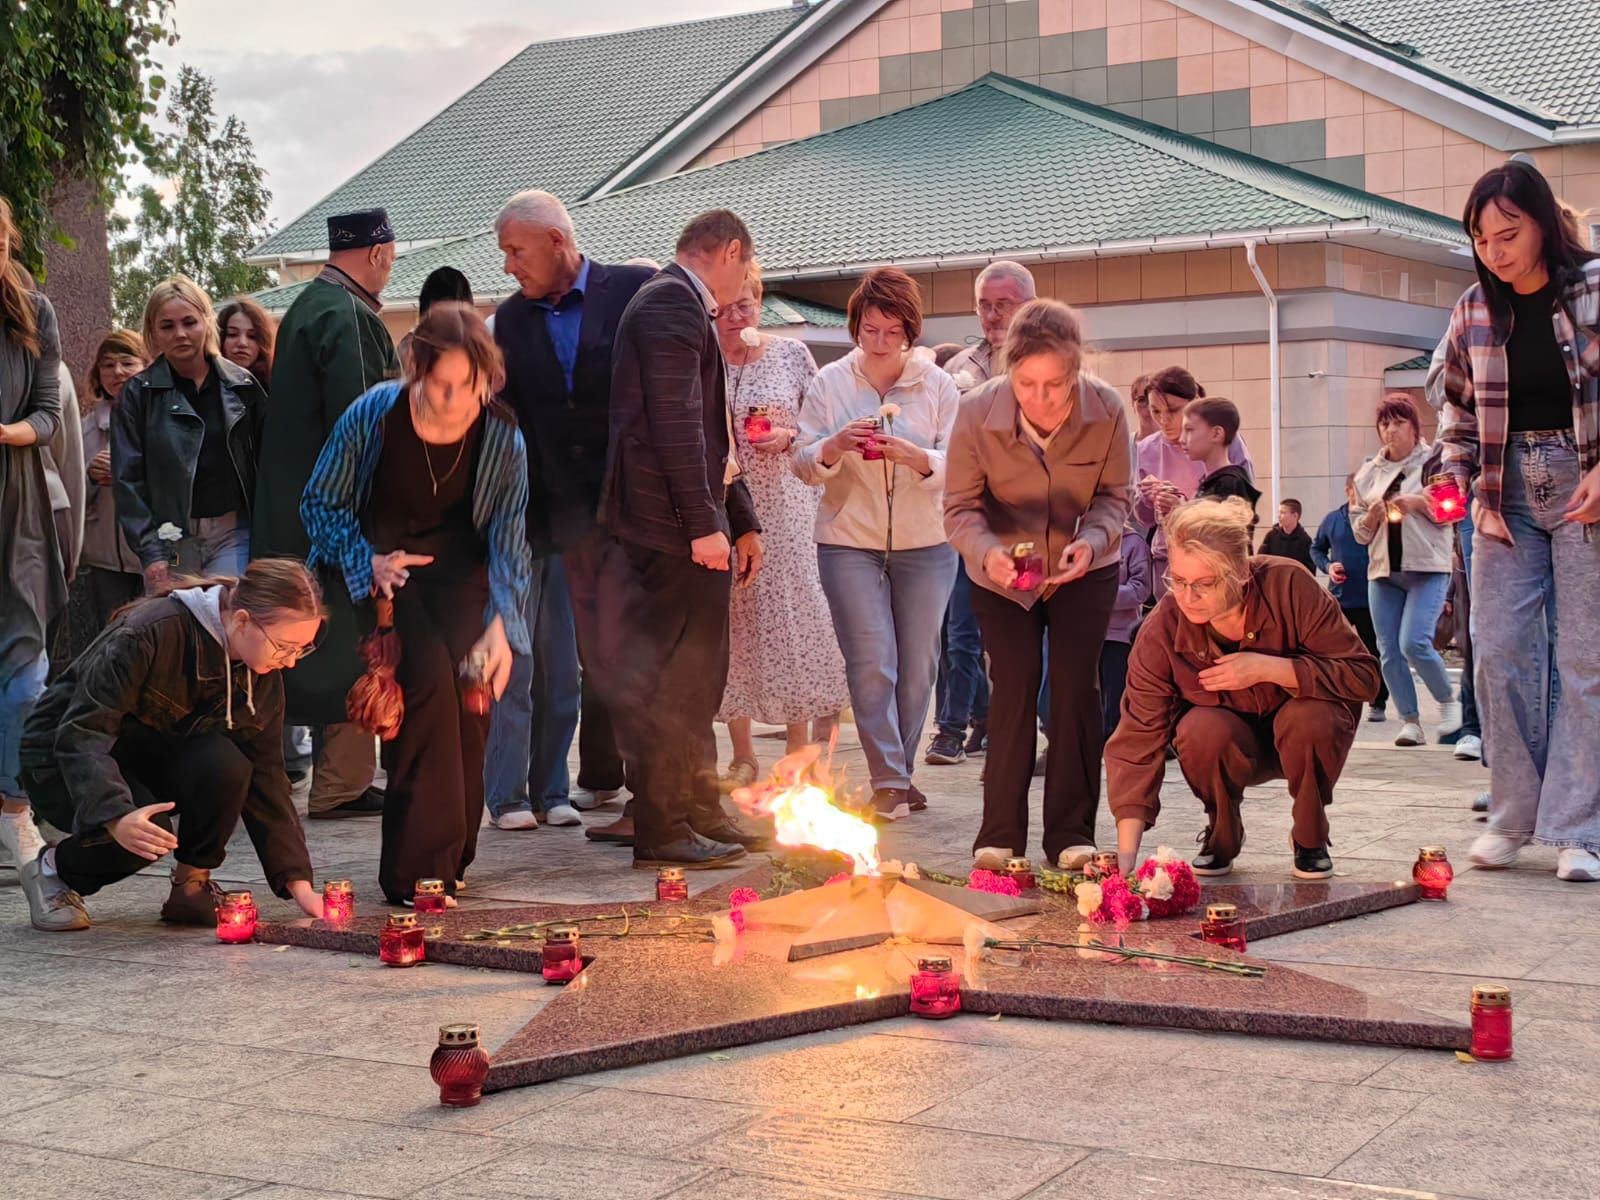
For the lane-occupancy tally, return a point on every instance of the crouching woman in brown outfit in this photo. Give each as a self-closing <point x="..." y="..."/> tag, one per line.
<point x="1249" y="668"/>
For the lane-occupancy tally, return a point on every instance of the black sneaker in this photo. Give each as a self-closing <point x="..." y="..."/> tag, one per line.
<point x="945" y="750"/>
<point x="978" y="739"/>
<point x="1210" y="863"/>
<point x="915" y="798"/>
<point x="890" y="804"/>
<point x="1312" y="864"/>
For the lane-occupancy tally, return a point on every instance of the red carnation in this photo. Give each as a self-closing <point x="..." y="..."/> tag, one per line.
<point x="740" y="896"/>
<point x="991" y="881"/>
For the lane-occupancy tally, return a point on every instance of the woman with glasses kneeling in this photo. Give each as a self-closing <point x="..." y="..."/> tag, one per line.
<point x="1250" y="669"/>
<point x="176" y="710"/>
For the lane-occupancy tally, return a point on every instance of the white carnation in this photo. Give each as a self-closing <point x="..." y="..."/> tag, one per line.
<point x="965" y="381"/>
<point x="1089" y="897"/>
<point x="169" y="532"/>
<point x="749" y="336"/>
<point x="1158" y="886"/>
<point x="1166" y="854"/>
<point x="889" y="410"/>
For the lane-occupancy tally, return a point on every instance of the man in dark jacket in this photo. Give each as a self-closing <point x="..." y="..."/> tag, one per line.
<point x="557" y="335"/>
<point x="1343" y="560"/>
<point x="681" y="523"/>
<point x="331" y="347"/>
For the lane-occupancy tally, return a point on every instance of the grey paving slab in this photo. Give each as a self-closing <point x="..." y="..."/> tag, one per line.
<point x="738" y="1185"/>
<point x="38" y="1174"/>
<point x="554" y="1171"/>
<point x="614" y="1120"/>
<point x="196" y="1069"/>
<point x="110" y="1122"/>
<point x="43" y="1048"/>
<point x="19" y="1092"/>
<point x="1138" y="1177"/>
<point x="1554" y="1061"/>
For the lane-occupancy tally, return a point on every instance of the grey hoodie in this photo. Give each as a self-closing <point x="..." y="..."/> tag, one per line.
<point x="205" y="604"/>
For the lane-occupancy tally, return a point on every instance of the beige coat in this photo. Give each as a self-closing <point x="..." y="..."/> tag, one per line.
<point x="1424" y="546"/>
<point x="1001" y="488"/>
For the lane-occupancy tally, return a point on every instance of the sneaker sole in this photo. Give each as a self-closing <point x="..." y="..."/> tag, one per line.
<point x="944" y="760"/>
<point x="1469" y="757"/>
<point x="898" y="813"/>
<point x="1410" y="742"/>
<point x="1579" y="877"/>
<point x="1299" y="874"/>
<point x="1212" y="872"/>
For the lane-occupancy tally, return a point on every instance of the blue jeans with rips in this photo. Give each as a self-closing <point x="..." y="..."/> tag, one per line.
<point x="1406" y="606"/>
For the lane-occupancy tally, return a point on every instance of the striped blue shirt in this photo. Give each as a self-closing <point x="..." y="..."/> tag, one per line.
<point x="342" y="480"/>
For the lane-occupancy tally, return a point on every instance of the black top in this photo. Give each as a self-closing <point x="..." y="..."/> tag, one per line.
<point x="1231" y="480"/>
<point x="406" y="512"/>
<point x="1539" y="389"/>
<point x="216" y="483"/>
<point x="1396" y="541"/>
<point x="1296" y="545"/>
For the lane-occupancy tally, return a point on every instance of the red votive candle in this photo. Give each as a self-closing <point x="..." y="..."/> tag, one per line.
<point x="1445" y="500"/>
<point x="338" y="901"/>
<point x="1029" y="565"/>
<point x="459" y="1066"/>
<point x="1021" y="870"/>
<point x="872" y="452"/>
<point x="757" y="422"/>
<point x="236" y="917"/>
<point x="1104" y="863"/>
<point x="1223" y="927"/>
<point x="476" y="695"/>
<point x="1491" y="1021"/>
<point x="401" y="944"/>
<point x="562" y="961"/>
<point x="1432" y="872"/>
<point x="428" y="897"/>
<point x="935" y="988"/>
<point x="671" y="888"/>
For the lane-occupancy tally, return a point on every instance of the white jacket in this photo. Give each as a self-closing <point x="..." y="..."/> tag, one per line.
<point x="857" y="495"/>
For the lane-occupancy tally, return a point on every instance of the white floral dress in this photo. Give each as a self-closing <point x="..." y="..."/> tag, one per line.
<point x="784" y="665"/>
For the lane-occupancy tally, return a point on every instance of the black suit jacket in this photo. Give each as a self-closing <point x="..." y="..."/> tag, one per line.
<point x="669" y="425"/>
<point x="566" y="430"/>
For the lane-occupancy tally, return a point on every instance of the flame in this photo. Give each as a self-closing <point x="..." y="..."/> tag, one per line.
<point x="863" y="992"/>
<point x="799" y="800"/>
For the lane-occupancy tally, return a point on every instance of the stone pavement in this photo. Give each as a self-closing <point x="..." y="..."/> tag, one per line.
<point x="141" y="1061"/>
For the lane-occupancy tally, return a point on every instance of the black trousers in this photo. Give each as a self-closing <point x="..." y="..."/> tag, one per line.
<point x="434" y="802"/>
<point x="600" y="764"/>
<point x="1113" y="682"/>
<point x="1076" y="616"/>
<point x="657" y="628"/>
<point x="206" y="777"/>
<point x="1361" y="619"/>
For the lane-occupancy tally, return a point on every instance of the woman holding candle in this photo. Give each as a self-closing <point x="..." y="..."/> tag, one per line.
<point x="784" y="665"/>
<point x="421" y="496"/>
<point x="1408" y="566"/>
<point x="1042" y="455"/>
<point x="246" y="333"/>
<point x="1521" y="412"/>
<point x="873" y="431"/>
<point x="175" y="711"/>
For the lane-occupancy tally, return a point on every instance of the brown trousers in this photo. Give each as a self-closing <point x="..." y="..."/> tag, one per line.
<point x="1304" y="742"/>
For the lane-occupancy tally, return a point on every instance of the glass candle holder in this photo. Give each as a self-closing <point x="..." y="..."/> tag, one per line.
<point x="1394" y="513"/>
<point x="236" y="917"/>
<point x="757" y="422"/>
<point x="338" y="901"/>
<point x="459" y="1066"/>
<point x="1223" y="927"/>
<point x="476" y="695"/>
<point x="1491" y="1021"/>
<point x="562" y="960"/>
<point x="872" y="452"/>
<point x="1021" y="870"/>
<point x="1432" y="872"/>
<point x="671" y="888"/>
<point x="1104" y="862"/>
<point x="1445" y="499"/>
<point x="428" y="897"/>
<point x="935" y="988"/>
<point x="400" y="943"/>
<point x="1029" y="565"/>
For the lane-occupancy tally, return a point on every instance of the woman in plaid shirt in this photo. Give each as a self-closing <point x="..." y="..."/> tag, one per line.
<point x="1520" y="410"/>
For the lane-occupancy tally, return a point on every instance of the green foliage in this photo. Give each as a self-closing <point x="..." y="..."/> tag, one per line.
<point x="76" y="91"/>
<point x="208" y="209"/>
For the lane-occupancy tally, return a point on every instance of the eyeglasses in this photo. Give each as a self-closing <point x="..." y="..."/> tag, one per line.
<point x="1198" y="588"/>
<point x="286" y="654"/>
<point x="999" y="308"/>
<point x="743" y="308"/>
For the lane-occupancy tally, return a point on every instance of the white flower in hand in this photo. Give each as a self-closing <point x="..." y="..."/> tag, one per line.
<point x="1089" y="896"/>
<point x="889" y="411"/>
<point x="749" y="336"/>
<point x="965" y="381"/>
<point x="169" y="533"/>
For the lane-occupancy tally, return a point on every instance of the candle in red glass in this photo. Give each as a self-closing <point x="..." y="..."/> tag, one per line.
<point x="1433" y="872"/>
<point x="1445" y="499"/>
<point x="338" y="901"/>
<point x="1223" y="927"/>
<point x="459" y="1066"/>
<point x="401" y="943"/>
<point x="935" y="988"/>
<point x="476" y="695"/>
<point x="562" y="962"/>
<point x="1021" y="870"/>
<point x="1491" y="1021"/>
<point x="1029" y="565"/>
<point x="872" y="451"/>
<point x="757" y="422"/>
<point x="236" y="917"/>
<point x="1103" y="863"/>
<point x="670" y="885"/>
<point x="428" y="896"/>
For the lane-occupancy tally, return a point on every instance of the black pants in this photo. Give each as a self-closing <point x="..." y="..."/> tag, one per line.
<point x="600" y="764"/>
<point x="434" y="801"/>
<point x="1361" y="619"/>
<point x="657" y="626"/>
<point x="206" y="777"/>
<point x="1076" y="615"/>
<point x="1113" y="682"/>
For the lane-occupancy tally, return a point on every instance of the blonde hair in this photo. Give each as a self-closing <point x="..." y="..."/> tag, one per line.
<point x="181" y="287"/>
<point x="752" y="276"/>
<point x="1218" y="532"/>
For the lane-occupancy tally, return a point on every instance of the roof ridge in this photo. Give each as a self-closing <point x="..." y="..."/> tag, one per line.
<point x="732" y="16"/>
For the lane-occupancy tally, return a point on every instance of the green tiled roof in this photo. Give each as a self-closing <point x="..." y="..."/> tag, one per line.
<point x="1420" y="363"/>
<point x="561" y="115"/>
<point x="1540" y="55"/>
<point x="777" y="309"/>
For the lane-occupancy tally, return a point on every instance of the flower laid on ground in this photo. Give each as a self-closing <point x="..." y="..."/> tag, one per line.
<point x="893" y="866"/>
<point x="1089" y="897"/>
<point x="991" y="881"/>
<point x="169" y="532"/>
<point x="973" y="946"/>
<point x="1091" y="945"/>
<point x="749" y="336"/>
<point x="1119" y="905"/>
<point x="1167" y="884"/>
<point x="740" y="896"/>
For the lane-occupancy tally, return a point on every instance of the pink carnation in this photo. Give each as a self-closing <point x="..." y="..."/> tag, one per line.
<point x="991" y="881"/>
<point x="740" y="896"/>
<point x="1185" y="887"/>
<point x="1118" y="906"/>
<point x="736" y="919"/>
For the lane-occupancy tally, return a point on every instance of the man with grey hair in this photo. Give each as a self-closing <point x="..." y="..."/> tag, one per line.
<point x="556" y="335"/>
<point x="1000" y="289"/>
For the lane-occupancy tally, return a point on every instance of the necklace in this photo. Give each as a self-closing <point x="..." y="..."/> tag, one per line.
<point x="427" y="450"/>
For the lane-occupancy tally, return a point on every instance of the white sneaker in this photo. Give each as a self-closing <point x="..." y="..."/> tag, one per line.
<point x="1410" y="735"/>
<point x="990" y="858"/>
<point x="1495" y="850"/>
<point x="517" y="818"/>
<point x="583" y="799"/>
<point x="562" y="814"/>
<point x="1449" y="718"/>
<point x="1577" y="865"/>
<point x="1075" y="858"/>
<point x="1470" y="747"/>
<point x="20" y="835"/>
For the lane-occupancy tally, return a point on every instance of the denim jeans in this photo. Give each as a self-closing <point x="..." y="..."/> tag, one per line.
<point x="1405" y="611"/>
<point x="887" y="608"/>
<point x="1545" y="768"/>
<point x="531" y="729"/>
<point x="18" y="695"/>
<point x="961" y="695"/>
<point x="1463" y="589"/>
<point x="217" y="546"/>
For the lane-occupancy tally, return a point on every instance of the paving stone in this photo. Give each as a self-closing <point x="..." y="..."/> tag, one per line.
<point x="52" y="1175"/>
<point x="110" y="1122"/>
<point x="559" y="1172"/>
<point x="736" y="1185"/>
<point x="20" y="1092"/>
<point x="1133" y="1177"/>
<point x="613" y="1120"/>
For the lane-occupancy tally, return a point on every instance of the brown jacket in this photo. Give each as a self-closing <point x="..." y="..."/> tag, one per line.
<point x="1000" y="489"/>
<point x="1286" y="613"/>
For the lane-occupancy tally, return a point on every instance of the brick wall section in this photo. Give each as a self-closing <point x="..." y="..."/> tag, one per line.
<point x="1149" y="59"/>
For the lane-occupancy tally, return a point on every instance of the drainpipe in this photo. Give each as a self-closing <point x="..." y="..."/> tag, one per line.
<point x="1276" y="403"/>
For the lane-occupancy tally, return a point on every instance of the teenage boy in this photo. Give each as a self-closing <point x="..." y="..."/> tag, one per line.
<point x="1209" y="426"/>
<point x="1288" y="538"/>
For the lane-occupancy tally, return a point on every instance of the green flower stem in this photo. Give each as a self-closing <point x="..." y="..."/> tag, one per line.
<point x="1248" y="970"/>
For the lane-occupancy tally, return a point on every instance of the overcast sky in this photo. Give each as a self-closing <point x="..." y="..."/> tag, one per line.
<point x="325" y="86"/>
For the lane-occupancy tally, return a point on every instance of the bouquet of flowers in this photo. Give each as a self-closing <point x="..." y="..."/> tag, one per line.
<point x="1167" y="884"/>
